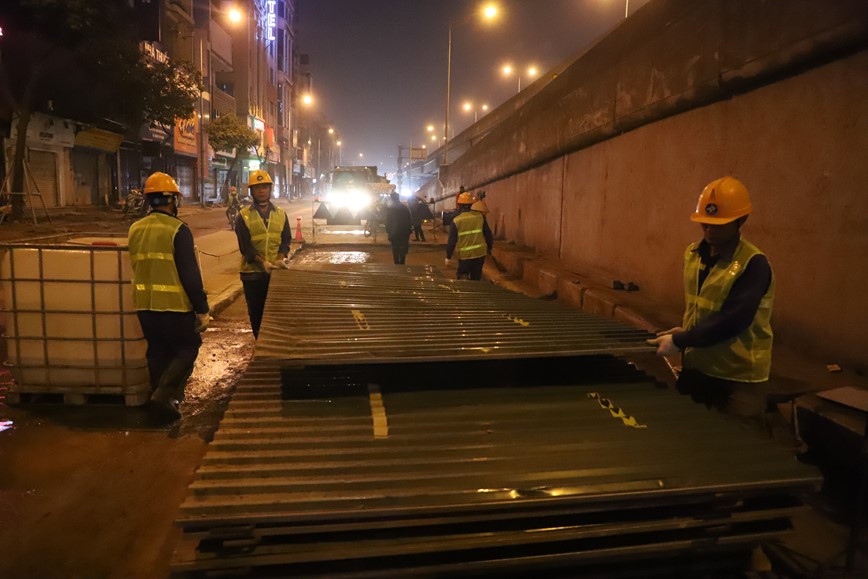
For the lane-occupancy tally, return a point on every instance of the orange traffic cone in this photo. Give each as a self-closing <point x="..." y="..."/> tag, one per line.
<point x="298" y="236"/>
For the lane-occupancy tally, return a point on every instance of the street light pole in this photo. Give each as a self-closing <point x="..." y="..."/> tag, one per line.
<point x="489" y="12"/>
<point x="448" y="90"/>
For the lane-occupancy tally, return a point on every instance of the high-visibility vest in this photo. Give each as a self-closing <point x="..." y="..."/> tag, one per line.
<point x="746" y="357"/>
<point x="471" y="242"/>
<point x="156" y="284"/>
<point x="266" y="240"/>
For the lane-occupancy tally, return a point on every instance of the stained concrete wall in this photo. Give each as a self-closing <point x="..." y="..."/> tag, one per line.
<point x="603" y="169"/>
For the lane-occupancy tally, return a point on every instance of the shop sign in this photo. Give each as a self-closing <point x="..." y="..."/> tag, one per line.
<point x="98" y="139"/>
<point x="270" y="19"/>
<point x="186" y="136"/>
<point x="47" y="130"/>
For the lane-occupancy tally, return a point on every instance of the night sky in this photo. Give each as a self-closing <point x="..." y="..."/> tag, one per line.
<point x="379" y="66"/>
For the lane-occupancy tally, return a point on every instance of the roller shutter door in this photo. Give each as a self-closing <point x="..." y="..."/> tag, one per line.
<point x="43" y="167"/>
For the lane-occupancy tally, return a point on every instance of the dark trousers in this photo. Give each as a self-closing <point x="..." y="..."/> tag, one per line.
<point x="400" y="247"/>
<point x="417" y="231"/>
<point x="471" y="268"/>
<point x="255" y="292"/>
<point x="744" y="400"/>
<point x="172" y="342"/>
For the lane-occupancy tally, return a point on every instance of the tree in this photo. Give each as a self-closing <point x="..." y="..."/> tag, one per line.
<point x="81" y="59"/>
<point x="171" y="91"/>
<point x="228" y="132"/>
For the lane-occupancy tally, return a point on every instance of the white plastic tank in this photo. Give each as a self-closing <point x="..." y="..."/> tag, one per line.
<point x="70" y="322"/>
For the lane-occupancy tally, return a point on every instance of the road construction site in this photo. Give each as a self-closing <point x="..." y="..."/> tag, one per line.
<point x="392" y="421"/>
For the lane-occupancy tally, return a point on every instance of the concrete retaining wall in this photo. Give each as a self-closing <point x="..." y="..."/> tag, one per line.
<point x="602" y="169"/>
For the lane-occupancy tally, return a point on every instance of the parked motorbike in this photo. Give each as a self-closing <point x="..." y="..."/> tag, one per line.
<point x="134" y="204"/>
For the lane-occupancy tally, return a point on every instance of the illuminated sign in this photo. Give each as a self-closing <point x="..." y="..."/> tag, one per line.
<point x="258" y="124"/>
<point x="270" y="19"/>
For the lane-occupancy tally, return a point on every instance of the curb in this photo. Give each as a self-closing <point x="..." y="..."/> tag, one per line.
<point x="225" y="298"/>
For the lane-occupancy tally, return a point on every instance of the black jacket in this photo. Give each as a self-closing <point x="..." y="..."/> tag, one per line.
<point x="398" y="223"/>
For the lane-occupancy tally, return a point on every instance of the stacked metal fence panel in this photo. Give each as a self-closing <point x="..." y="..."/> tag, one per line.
<point x="571" y="464"/>
<point x="317" y="315"/>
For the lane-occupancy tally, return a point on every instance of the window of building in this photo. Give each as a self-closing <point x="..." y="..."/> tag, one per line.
<point x="226" y="87"/>
<point x="281" y="50"/>
<point x="281" y="9"/>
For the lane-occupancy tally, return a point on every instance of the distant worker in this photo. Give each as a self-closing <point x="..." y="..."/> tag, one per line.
<point x="419" y="212"/>
<point x="472" y="237"/>
<point x="481" y="205"/>
<point x="168" y="294"/>
<point x="726" y="335"/>
<point x="398" y="227"/>
<point x="263" y="238"/>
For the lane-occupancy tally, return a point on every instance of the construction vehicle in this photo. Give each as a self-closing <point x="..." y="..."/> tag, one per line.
<point x="349" y="193"/>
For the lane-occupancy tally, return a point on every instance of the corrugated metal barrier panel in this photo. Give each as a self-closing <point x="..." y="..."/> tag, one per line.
<point x="481" y="467"/>
<point x="373" y="314"/>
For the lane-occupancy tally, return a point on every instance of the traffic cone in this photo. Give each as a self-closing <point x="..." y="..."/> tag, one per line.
<point x="298" y="237"/>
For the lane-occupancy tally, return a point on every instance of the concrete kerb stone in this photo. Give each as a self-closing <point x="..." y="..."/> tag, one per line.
<point x="540" y="277"/>
<point x="511" y="259"/>
<point x="543" y="275"/>
<point x="225" y="298"/>
<point x="570" y="291"/>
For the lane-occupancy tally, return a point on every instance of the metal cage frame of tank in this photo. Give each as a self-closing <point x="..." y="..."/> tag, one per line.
<point x="134" y="391"/>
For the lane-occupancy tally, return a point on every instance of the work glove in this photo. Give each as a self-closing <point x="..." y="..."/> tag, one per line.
<point x="675" y="330"/>
<point x="202" y="322"/>
<point x="268" y="266"/>
<point x="447" y="261"/>
<point x="279" y="264"/>
<point x="665" y="345"/>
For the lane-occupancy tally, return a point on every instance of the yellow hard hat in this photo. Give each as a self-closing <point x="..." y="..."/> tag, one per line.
<point x="480" y="206"/>
<point x="259" y="177"/>
<point x="161" y="183"/>
<point x="722" y="201"/>
<point x="465" y="199"/>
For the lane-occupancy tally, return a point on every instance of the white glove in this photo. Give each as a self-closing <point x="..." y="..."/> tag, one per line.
<point x="665" y="345"/>
<point x="447" y="261"/>
<point x="268" y="266"/>
<point x="202" y="322"/>
<point x="279" y="264"/>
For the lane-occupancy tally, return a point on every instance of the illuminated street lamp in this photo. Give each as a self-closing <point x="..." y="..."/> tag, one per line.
<point x="468" y="107"/>
<point x="235" y="15"/>
<point x="489" y="12"/>
<point x="508" y="70"/>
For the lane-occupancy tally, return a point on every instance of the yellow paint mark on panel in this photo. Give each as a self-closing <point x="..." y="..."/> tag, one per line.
<point x="615" y="412"/>
<point x="360" y="320"/>
<point x="378" y="412"/>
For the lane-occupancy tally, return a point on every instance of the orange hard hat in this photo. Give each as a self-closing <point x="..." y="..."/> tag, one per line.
<point x="465" y="199"/>
<point x="161" y="184"/>
<point x="722" y="201"/>
<point x="480" y="206"/>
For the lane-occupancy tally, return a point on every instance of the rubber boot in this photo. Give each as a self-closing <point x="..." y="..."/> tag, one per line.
<point x="170" y="389"/>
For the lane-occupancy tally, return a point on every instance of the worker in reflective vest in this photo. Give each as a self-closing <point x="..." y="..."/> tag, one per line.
<point x="168" y="294"/>
<point x="263" y="239"/>
<point x="726" y="335"/>
<point x="472" y="238"/>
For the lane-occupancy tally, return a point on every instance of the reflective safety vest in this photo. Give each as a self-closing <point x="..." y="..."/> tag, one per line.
<point x="471" y="242"/>
<point x="156" y="284"/>
<point x="265" y="240"/>
<point x="746" y="357"/>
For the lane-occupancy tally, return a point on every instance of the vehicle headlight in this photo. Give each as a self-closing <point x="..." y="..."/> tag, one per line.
<point x="357" y="200"/>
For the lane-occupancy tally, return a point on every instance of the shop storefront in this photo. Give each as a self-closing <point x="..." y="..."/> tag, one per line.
<point x="49" y="142"/>
<point x="94" y="161"/>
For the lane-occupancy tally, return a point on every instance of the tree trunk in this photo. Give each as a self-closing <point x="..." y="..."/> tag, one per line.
<point x="18" y="178"/>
